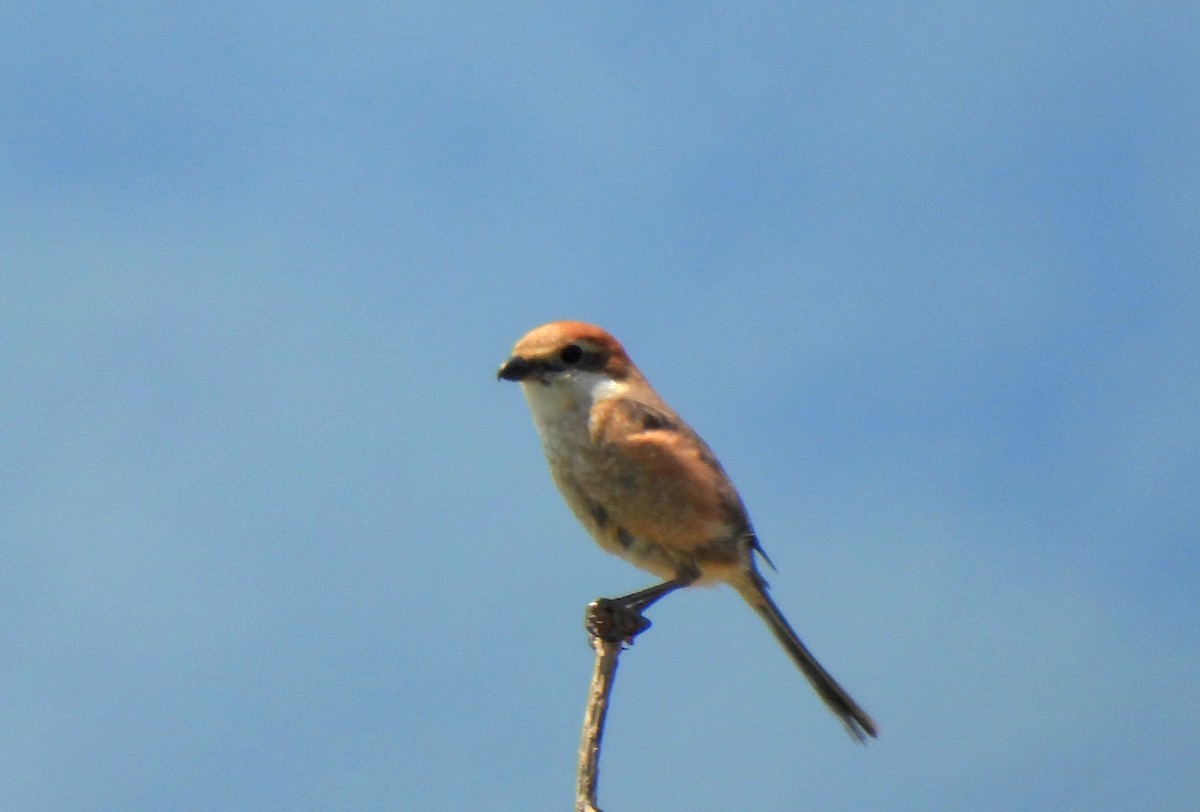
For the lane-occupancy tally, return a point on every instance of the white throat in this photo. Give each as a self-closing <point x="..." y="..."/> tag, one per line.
<point x="561" y="407"/>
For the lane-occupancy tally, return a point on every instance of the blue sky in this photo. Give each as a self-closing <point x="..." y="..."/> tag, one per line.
<point x="926" y="277"/>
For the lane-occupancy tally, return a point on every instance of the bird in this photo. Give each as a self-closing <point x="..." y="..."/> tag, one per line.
<point x="646" y="487"/>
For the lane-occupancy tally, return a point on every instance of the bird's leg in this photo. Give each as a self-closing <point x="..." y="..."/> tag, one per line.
<point x="644" y="599"/>
<point x="621" y="619"/>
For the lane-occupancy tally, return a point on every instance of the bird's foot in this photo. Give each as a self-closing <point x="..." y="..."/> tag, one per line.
<point x="614" y="621"/>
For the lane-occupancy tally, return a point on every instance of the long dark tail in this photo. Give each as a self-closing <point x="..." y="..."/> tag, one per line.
<point x="853" y="717"/>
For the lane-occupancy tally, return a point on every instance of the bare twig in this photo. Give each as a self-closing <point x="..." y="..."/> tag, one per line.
<point x="593" y="724"/>
<point x="611" y="626"/>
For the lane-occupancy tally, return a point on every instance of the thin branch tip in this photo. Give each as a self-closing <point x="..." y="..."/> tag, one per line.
<point x="611" y="626"/>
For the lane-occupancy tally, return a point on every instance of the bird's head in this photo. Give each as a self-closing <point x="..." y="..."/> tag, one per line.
<point x="567" y="366"/>
<point x="564" y="351"/>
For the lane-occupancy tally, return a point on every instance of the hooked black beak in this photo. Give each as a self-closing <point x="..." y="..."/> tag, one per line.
<point x="515" y="369"/>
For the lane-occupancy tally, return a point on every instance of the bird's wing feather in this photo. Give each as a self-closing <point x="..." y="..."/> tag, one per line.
<point x="675" y="486"/>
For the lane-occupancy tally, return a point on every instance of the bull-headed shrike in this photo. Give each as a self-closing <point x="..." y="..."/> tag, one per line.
<point x="644" y="484"/>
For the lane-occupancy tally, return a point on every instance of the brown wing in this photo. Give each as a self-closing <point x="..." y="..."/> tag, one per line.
<point x="673" y="490"/>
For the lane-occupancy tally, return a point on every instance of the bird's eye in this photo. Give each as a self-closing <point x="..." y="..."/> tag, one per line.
<point x="571" y="354"/>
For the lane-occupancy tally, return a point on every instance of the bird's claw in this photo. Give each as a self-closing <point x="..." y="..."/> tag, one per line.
<point x="613" y="621"/>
